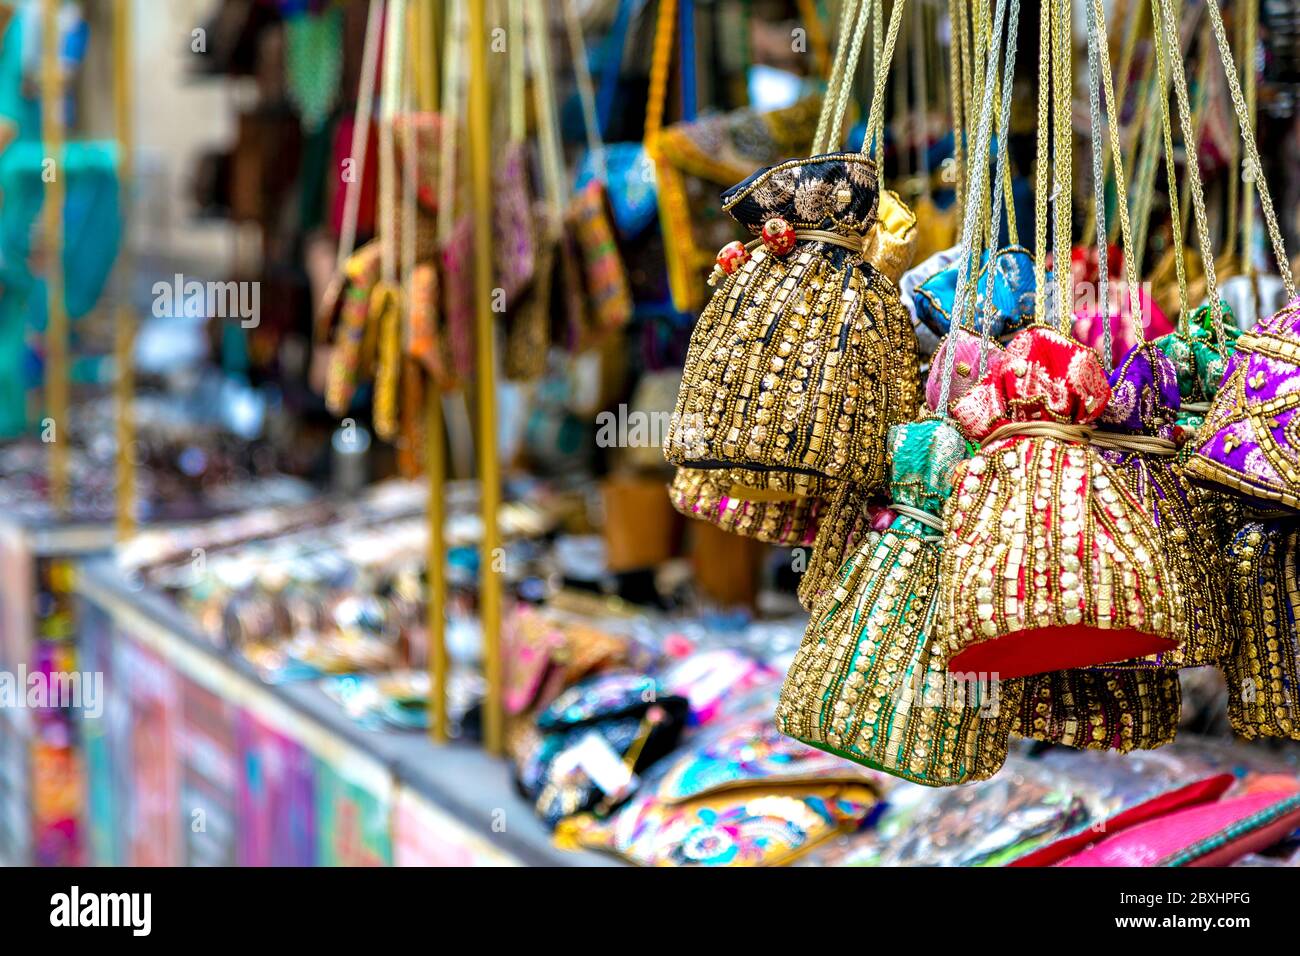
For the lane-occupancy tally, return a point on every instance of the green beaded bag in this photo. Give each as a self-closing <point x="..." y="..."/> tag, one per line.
<point x="869" y="683"/>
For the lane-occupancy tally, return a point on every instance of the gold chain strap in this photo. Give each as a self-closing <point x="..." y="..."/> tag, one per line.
<point x="876" y="117"/>
<point x="955" y="87"/>
<point x="1063" y="154"/>
<point x="1121" y="189"/>
<point x="1162" y="73"/>
<point x="1194" y="172"/>
<point x="1043" y="164"/>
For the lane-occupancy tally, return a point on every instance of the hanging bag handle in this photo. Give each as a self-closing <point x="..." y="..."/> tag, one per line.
<point x="360" y="133"/>
<point x="1063" y="155"/>
<point x="1173" y="59"/>
<point x="1255" y="169"/>
<point x="852" y="31"/>
<point x="974" y="202"/>
<point x="586" y="92"/>
<point x="876" y="115"/>
<point x="1096" y="39"/>
<point x="451" y="99"/>
<point x="1003" y="169"/>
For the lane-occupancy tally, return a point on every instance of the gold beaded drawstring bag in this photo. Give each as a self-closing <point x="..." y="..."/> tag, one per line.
<point x="779" y="517"/>
<point x="804" y="356"/>
<point x="1049" y="562"/>
<point x="1117" y="708"/>
<point x="1263" y="674"/>
<point x="870" y="682"/>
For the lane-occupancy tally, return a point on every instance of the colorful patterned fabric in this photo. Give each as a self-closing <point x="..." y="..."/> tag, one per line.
<point x="912" y="280"/>
<point x="1199" y="362"/>
<point x="1014" y="296"/>
<point x="630" y="185"/>
<point x="747" y="798"/>
<point x="514" y="246"/>
<point x="1089" y="320"/>
<point x="1049" y="562"/>
<point x="966" y="371"/>
<point x="608" y="294"/>
<point x="800" y="362"/>
<point x="1249" y="443"/>
<point x="869" y="683"/>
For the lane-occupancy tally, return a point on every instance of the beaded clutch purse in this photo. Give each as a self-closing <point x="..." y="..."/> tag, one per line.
<point x="1250" y="440"/>
<point x="869" y="682"/>
<point x="804" y="356"/>
<point x="1049" y="562"/>
<point x="744" y="797"/>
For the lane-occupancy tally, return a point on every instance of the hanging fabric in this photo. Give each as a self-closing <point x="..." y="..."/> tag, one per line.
<point x="355" y="275"/>
<point x="588" y="215"/>
<point x="625" y="168"/>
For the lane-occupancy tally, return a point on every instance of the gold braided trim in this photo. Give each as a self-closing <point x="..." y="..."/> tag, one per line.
<point x="1070" y="433"/>
<point x="1195" y="408"/>
<point x="1147" y="444"/>
<point x="1269" y="346"/>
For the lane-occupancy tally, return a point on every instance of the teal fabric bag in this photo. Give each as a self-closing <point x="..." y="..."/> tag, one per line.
<point x="868" y="682"/>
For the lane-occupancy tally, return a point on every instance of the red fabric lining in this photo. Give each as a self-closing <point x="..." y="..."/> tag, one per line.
<point x="1203" y="791"/>
<point x="1057" y="648"/>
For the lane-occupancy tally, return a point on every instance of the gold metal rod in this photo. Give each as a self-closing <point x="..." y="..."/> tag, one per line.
<point x="435" y="463"/>
<point x="56" y="328"/>
<point x="425" y="63"/>
<point x="480" y="149"/>
<point x="124" y="324"/>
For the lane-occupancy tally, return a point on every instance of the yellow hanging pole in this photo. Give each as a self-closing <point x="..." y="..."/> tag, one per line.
<point x="425" y="63"/>
<point x="124" y="326"/>
<point x="480" y="151"/>
<point x="56" y="327"/>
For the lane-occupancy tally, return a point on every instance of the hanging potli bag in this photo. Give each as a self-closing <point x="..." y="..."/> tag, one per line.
<point x="589" y="217"/>
<point x="528" y="326"/>
<point x="804" y="356"/>
<point x="870" y="681"/>
<point x="1049" y="561"/>
<point x="1263" y="674"/>
<point x="455" y="234"/>
<point x="779" y="517"/>
<point x="1131" y="708"/>
<point x="355" y="273"/>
